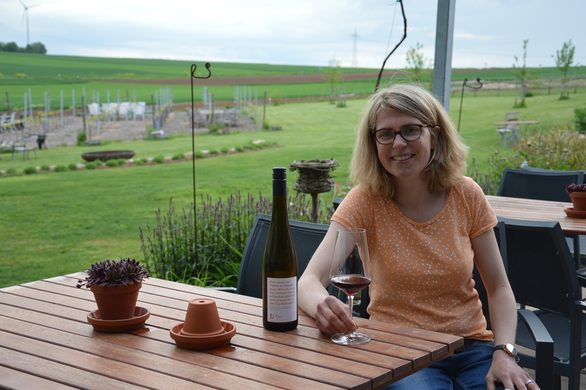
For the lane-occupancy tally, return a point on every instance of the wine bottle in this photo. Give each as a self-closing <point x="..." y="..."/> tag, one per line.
<point x="279" y="281"/>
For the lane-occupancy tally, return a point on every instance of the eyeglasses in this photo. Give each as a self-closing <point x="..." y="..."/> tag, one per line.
<point x="409" y="133"/>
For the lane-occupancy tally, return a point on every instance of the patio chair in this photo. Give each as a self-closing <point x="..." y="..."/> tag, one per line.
<point x="545" y="184"/>
<point x="526" y="320"/>
<point x="543" y="279"/>
<point x="306" y="237"/>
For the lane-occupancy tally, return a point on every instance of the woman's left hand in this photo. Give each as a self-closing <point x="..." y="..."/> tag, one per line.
<point x="504" y="369"/>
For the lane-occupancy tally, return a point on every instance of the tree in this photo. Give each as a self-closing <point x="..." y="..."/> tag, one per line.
<point x="522" y="74"/>
<point x="417" y="61"/>
<point x="564" y="60"/>
<point x="333" y="75"/>
<point x="36" y="47"/>
<point x="9" y="46"/>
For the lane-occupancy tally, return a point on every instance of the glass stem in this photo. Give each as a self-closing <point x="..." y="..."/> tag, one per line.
<point x="350" y="306"/>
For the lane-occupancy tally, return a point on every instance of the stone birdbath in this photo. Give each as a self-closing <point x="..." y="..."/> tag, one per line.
<point x="314" y="178"/>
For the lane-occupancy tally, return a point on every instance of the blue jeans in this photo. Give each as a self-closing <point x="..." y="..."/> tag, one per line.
<point x="465" y="370"/>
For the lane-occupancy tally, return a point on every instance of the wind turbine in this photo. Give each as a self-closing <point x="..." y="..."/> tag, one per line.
<point x="26" y="8"/>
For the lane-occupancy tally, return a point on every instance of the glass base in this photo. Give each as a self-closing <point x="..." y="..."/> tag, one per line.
<point x="354" y="338"/>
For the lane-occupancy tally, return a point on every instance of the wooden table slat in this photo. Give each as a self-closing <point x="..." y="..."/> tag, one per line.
<point x="18" y="379"/>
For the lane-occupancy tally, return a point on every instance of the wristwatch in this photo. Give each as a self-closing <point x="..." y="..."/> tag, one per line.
<point x="509" y="350"/>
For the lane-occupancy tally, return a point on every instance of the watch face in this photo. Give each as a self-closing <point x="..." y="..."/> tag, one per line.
<point x="510" y="348"/>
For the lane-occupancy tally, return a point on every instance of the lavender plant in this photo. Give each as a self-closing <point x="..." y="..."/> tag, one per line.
<point x="208" y="253"/>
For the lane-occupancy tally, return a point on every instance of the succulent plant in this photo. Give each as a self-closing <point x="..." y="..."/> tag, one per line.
<point x="114" y="273"/>
<point x="575" y="188"/>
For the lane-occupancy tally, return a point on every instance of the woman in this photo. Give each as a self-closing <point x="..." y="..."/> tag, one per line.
<point x="428" y="225"/>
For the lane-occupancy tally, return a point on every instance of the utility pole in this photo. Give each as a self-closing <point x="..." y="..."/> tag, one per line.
<point x="354" y="55"/>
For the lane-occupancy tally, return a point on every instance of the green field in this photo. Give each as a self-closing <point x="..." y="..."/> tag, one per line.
<point x="66" y="79"/>
<point x="56" y="223"/>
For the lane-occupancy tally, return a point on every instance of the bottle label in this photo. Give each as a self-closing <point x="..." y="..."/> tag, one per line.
<point x="282" y="299"/>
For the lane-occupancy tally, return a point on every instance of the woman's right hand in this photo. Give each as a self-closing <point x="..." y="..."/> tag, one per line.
<point x="332" y="317"/>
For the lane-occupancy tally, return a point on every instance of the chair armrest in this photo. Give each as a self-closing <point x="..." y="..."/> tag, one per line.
<point x="225" y="289"/>
<point x="543" y="348"/>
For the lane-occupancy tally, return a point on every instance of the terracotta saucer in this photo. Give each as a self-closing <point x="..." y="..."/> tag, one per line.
<point x="204" y="341"/>
<point x="570" y="212"/>
<point x="112" y="326"/>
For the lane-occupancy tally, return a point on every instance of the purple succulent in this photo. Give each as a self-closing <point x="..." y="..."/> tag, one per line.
<point x="114" y="273"/>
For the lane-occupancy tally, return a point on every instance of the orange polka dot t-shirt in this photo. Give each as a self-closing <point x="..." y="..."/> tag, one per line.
<point x="422" y="271"/>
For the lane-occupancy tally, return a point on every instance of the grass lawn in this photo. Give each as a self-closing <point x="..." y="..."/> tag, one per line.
<point x="56" y="223"/>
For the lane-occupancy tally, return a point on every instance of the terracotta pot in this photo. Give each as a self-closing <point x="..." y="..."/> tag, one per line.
<point x="202" y="318"/>
<point x="116" y="302"/>
<point x="579" y="200"/>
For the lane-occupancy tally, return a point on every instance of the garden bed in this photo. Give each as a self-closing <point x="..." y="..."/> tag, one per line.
<point x="106" y="155"/>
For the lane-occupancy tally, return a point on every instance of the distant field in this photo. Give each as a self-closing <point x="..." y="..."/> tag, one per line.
<point x="62" y="80"/>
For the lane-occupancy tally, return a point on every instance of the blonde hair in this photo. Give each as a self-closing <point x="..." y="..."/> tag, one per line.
<point x="448" y="158"/>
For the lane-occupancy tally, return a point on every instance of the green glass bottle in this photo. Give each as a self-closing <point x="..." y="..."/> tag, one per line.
<point x="279" y="281"/>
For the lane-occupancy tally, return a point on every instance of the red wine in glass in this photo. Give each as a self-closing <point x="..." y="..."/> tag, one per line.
<point x="350" y="284"/>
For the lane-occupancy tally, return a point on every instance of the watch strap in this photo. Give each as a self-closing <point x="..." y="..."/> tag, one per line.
<point x="509" y="349"/>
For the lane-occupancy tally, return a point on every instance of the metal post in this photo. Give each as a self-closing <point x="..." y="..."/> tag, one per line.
<point x="442" y="69"/>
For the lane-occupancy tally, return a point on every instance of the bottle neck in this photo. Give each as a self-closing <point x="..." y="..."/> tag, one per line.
<point x="279" y="198"/>
<point x="280" y="188"/>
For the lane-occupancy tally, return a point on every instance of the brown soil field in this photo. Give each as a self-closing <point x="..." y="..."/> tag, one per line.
<point x="252" y="80"/>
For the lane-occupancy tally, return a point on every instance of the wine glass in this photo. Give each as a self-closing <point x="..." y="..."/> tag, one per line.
<point x="349" y="272"/>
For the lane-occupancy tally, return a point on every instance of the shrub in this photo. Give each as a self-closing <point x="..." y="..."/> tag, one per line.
<point x="81" y="138"/>
<point x="549" y="149"/>
<point x="30" y="170"/>
<point x="60" y="168"/>
<point x="178" y="156"/>
<point x="72" y="167"/>
<point x="11" y="172"/>
<point x="198" y="154"/>
<point x="209" y="253"/>
<point x="112" y="163"/>
<point x="580" y="115"/>
<point x="159" y="159"/>
<point x="90" y="165"/>
<point x="45" y="168"/>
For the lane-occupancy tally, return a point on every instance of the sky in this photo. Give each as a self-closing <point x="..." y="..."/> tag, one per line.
<point x="487" y="33"/>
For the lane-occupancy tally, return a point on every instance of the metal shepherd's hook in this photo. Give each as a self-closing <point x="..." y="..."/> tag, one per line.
<point x="191" y="78"/>
<point x="477" y="85"/>
<point x="380" y="73"/>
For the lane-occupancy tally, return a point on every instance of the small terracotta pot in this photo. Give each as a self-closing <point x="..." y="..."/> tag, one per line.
<point x="202" y="318"/>
<point x="116" y="302"/>
<point x="579" y="200"/>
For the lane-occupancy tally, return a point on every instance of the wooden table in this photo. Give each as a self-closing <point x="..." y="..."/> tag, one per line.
<point x="516" y="122"/>
<point x="537" y="210"/>
<point x="45" y="342"/>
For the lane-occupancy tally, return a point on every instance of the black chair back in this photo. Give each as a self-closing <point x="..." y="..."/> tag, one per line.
<point x="306" y="237"/>
<point x="538" y="183"/>
<point x="540" y="269"/>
